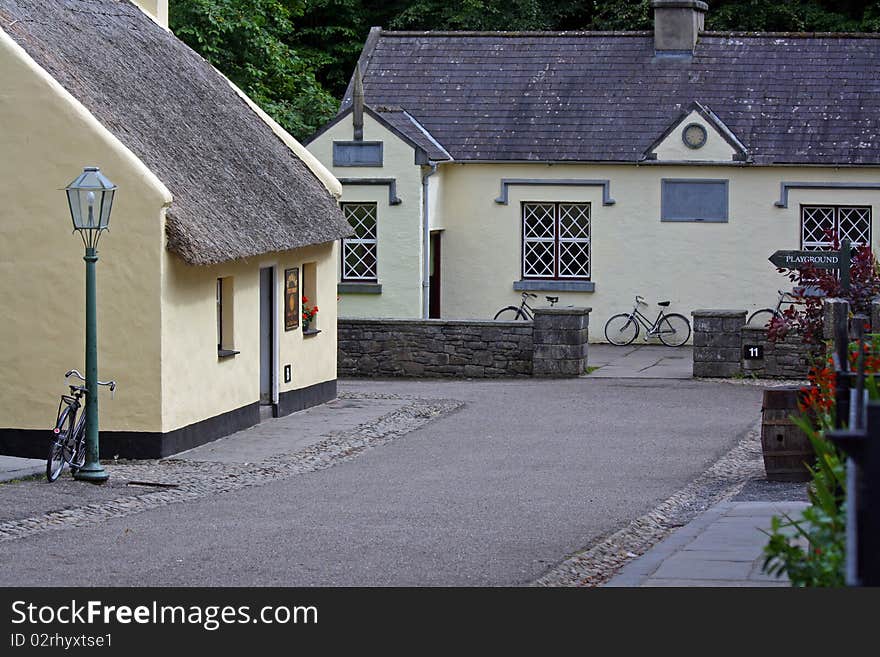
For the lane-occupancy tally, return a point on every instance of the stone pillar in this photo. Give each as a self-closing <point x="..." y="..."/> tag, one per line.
<point x="718" y="342"/>
<point x="561" y="338"/>
<point x="834" y="311"/>
<point x="875" y="315"/>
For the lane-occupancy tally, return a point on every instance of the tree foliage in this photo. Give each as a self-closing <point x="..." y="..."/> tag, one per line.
<point x="295" y="57"/>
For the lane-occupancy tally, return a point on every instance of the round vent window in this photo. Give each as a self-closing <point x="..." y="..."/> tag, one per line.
<point x="694" y="135"/>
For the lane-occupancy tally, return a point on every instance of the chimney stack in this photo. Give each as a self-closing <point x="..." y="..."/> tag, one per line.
<point x="677" y="24"/>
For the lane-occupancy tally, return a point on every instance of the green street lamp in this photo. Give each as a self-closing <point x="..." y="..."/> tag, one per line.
<point x="90" y="197"/>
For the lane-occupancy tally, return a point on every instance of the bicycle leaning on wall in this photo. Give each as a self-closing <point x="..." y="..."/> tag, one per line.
<point x="672" y="329"/>
<point x="525" y="311"/>
<point x="69" y="435"/>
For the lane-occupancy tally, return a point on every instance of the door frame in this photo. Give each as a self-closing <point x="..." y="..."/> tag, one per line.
<point x="275" y="358"/>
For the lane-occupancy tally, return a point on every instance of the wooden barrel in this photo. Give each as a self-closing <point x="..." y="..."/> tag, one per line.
<point x="787" y="449"/>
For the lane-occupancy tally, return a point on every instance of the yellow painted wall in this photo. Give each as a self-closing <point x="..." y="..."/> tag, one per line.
<point x="673" y="148"/>
<point x="46" y="138"/>
<point x="399" y="227"/>
<point x="196" y="384"/>
<point x="695" y="265"/>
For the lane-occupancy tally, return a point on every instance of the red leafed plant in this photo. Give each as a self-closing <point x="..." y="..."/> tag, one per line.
<point x="807" y="319"/>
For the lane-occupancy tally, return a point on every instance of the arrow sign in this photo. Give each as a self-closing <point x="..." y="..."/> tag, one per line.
<point x="804" y="259"/>
<point x="840" y="260"/>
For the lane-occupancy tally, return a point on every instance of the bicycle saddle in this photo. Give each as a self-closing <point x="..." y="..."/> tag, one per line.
<point x="552" y="299"/>
<point x="665" y="304"/>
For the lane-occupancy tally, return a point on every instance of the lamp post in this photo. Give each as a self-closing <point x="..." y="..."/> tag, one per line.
<point x="90" y="198"/>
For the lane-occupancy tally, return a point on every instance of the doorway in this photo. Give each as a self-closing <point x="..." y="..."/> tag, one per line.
<point x="267" y="334"/>
<point x="434" y="277"/>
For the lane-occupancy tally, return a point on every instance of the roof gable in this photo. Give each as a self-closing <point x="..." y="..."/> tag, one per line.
<point x="402" y="125"/>
<point x="606" y="97"/>
<point x="720" y="145"/>
<point x="238" y="190"/>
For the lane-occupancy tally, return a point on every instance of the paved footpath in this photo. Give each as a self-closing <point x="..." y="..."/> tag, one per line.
<point x="454" y="483"/>
<point x="722" y="547"/>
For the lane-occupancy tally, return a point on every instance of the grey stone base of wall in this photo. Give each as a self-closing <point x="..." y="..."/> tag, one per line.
<point x="555" y="344"/>
<point x="433" y="348"/>
<point x="721" y="341"/>
<point x="790" y="358"/>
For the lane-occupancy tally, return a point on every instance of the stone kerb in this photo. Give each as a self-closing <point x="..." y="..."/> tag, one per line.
<point x="561" y="341"/>
<point x="718" y="342"/>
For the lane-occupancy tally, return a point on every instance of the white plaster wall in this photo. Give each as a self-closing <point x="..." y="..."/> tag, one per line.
<point x="196" y="384"/>
<point x="695" y="265"/>
<point x="46" y="138"/>
<point x="399" y="227"/>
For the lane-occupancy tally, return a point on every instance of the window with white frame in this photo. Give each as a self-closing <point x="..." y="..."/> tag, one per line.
<point x="556" y="240"/>
<point x="822" y="225"/>
<point x="359" y="252"/>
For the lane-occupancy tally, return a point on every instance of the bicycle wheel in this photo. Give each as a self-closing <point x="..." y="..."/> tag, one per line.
<point x="509" y="314"/>
<point x="60" y="451"/>
<point x="674" y="330"/>
<point x="761" y="318"/>
<point x="621" y="329"/>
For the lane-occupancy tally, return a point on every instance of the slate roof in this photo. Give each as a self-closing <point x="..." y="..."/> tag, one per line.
<point x="238" y="190"/>
<point x="789" y="98"/>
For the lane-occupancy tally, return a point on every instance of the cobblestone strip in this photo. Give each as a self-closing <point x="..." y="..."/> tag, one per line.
<point x="596" y="565"/>
<point x="194" y="480"/>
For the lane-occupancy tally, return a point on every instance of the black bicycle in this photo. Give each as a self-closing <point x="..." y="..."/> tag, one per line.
<point x="672" y="329"/>
<point x="762" y="318"/>
<point x="69" y="435"/>
<point x="525" y="311"/>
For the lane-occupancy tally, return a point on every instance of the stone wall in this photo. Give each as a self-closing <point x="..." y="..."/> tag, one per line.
<point x="554" y="345"/>
<point x="434" y="348"/>
<point x="789" y="358"/>
<point x="718" y="342"/>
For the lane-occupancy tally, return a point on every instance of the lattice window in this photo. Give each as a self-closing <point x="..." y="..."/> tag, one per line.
<point x="359" y="252"/>
<point x="821" y="226"/>
<point x="556" y="240"/>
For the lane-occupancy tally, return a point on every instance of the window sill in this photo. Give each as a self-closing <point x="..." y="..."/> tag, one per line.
<point x="359" y="288"/>
<point x="226" y="353"/>
<point x="554" y="286"/>
<point x="311" y="332"/>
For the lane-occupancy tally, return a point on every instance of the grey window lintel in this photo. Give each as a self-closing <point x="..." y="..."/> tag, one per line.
<point x="556" y="182"/>
<point x="554" y="286"/>
<point x="785" y="186"/>
<point x="393" y="199"/>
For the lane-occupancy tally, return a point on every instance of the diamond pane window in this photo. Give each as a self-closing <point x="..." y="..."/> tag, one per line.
<point x="359" y="252"/>
<point x="556" y="240"/>
<point x="821" y="225"/>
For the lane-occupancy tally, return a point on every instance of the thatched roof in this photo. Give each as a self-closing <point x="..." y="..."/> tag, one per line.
<point x="239" y="191"/>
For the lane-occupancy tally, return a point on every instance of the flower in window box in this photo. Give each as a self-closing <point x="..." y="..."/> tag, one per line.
<point x="308" y="313"/>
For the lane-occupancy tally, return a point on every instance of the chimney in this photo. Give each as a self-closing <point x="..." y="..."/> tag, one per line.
<point x="677" y="24"/>
<point x="357" y="103"/>
<point x="155" y="9"/>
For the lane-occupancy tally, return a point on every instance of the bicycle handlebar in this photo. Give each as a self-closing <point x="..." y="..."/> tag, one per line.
<point x="69" y="373"/>
<point x="640" y="299"/>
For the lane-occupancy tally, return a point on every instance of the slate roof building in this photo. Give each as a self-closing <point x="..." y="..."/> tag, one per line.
<point x="597" y="166"/>
<point x="220" y="222"/>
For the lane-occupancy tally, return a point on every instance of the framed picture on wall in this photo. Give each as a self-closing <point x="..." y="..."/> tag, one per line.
<point x="291" y="299"/>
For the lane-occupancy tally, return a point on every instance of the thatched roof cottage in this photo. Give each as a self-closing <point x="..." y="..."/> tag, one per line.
<point x="221" y="222"/>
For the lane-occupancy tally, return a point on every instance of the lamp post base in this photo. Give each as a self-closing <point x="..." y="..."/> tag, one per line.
<point x="92" y="473"/>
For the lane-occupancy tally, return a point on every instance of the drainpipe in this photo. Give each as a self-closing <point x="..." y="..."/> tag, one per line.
<point x="426" y="244"/>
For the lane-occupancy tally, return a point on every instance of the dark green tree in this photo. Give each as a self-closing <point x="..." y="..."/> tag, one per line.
<point x="249" y="41"/>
